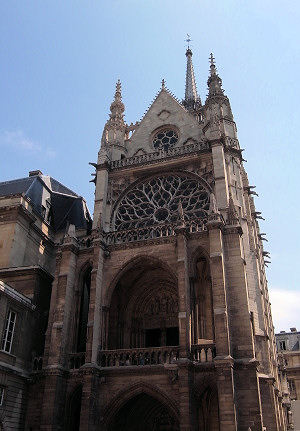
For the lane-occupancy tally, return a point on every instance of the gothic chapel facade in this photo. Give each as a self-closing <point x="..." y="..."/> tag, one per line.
<point x="160" y="318"/>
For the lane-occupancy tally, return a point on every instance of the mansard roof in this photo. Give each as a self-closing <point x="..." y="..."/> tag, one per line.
<point x="45" y="192"/>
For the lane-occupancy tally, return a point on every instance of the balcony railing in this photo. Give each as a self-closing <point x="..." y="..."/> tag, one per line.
<point x="158" y="155"/>
<point x="76" y="360"/>
<point x="153" y="232"/>
<point x="139" y="356"/>
<point x="203" y="352"/>
<point x="37" y="363"/>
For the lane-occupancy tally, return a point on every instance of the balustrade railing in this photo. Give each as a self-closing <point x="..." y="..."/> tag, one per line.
<point x="37" y="363"/>
<point x="139" y="356"/>
<point x="203" y="352"/>
<point x="186" y="149"/>
<point x="76" y="360"/>
<point x="152" y="232"/>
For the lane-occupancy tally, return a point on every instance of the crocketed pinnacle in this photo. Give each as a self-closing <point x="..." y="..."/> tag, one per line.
<point x="214" y="82"/>
<point x="191" y="99"/>
<point x="116" y="118"/>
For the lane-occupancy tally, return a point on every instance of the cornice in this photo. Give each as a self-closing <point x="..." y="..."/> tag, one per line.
<point x="25" y="270"/>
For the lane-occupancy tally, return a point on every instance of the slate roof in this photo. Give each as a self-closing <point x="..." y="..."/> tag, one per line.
<point x="61" y="204"/>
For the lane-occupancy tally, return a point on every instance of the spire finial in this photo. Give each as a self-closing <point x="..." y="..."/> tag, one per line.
<point x="188" y="40"/>
<point x="117" y="108"/>
<point x="163" y="82"/>
<point x="192" y="100"/>
<point x="118" y="95"/>
<point x="214" y="81"/>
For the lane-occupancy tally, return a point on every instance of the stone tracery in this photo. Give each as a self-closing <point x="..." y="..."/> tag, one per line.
<point x="156" y="201"/>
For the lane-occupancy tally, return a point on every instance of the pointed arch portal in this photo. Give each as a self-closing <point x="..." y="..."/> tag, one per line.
<point x="144" y="308"/>
<point x="143" y="413"/>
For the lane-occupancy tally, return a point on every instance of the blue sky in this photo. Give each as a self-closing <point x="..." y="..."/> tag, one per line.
<point x="60" y="61"/>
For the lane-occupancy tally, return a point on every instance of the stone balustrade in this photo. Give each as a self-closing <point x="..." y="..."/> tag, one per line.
<point x="139" y="356"/>
<point x="152" y="232"/>
<point x="200" y="353"/>
<point x="37" y="363"/>
<point x="157" y="155"/>
<point x="203" y="352"/>
<point x="76" y="360"/>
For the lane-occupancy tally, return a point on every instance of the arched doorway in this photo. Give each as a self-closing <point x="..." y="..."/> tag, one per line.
<point x="208" y="411"/>
<point x="74" y="410"/>
<point x="144" y="308"/>
<point x="143" y="413"/>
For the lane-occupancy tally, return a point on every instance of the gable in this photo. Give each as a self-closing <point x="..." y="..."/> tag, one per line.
<point x="165" y="113"/>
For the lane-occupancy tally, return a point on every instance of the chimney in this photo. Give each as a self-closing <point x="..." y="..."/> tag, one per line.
<point x="293" y="329"/>
<point x="35" y="173"/>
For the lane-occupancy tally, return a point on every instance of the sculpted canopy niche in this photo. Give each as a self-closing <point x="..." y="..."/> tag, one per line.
<point x="161" y="200"/>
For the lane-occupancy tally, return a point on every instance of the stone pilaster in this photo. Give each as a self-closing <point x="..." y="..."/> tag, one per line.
<point x="185" y="402"/>
<point x="218" y="287"/>
<point x="89" y="416"/>
<point x="227" y="411"/>
<point x="183" y="294"/>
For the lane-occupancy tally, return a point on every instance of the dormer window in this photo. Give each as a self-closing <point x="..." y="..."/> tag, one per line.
<point x="282" y="345"/>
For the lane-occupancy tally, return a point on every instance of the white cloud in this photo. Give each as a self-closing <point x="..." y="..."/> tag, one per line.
<point x="285" y="308"/>
<point x="20" y="142"/>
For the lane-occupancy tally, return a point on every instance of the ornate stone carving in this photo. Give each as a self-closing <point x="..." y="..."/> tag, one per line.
<point x="162" y="304"/>
<point x="115" y="188"/>
<point x="156" y="202"/>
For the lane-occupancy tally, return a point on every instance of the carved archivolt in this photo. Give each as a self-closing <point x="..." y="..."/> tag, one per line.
<point x="157" y="201"/>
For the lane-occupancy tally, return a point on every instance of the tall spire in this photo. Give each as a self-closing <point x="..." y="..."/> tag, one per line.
<point x="191" y="100"/>
<point x="214" y="82"/>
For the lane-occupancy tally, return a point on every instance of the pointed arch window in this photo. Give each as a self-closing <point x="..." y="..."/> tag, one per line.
<point x="84" y="312"/>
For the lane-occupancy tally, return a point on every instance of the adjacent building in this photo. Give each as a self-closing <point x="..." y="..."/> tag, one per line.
<point x="35" y="213"/>
<point x="288" y="346"/>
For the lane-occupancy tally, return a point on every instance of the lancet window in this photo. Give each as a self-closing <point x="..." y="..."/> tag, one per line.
<point x="84" y="311"/>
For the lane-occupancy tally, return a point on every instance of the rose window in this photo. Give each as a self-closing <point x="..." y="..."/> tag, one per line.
<point x="156" y="201"/>
<point x="165" y="139"/>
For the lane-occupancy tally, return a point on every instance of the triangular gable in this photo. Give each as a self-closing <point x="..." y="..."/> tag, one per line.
<point x="164" y="111"/>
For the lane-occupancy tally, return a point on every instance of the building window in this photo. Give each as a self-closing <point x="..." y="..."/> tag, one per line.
<point x="282" y="345"/>
<point x="165" y="139"/>
<point x="9" y="331"/>
<point x="84" y="312"/>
